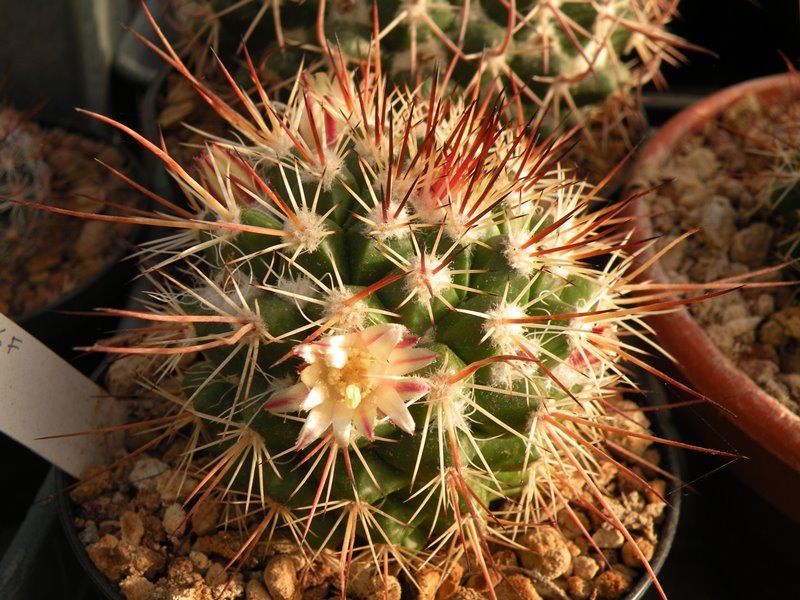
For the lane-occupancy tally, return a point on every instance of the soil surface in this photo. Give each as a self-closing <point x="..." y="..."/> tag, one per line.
<point x="720" y="180"/>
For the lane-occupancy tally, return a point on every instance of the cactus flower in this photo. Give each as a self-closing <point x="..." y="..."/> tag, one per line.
<point x="352" y="380"/>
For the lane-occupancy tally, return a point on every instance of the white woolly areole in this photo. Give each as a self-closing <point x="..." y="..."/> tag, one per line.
<point x="449" y="397"/>
<point x="309" y="235"/>
<point x="505" y="336"/>
<point x="389" y="227"/>
<point x="297" y="290"/>
<point x="424" y="280"/>
<point x="348" y="316"/>
<point x="518" y="257"/>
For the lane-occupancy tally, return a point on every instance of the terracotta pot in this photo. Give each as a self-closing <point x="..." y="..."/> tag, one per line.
<point x="755" y="423"/>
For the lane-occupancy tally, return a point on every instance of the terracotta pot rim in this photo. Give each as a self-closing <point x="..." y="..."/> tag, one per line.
<point x="759" y="415"/>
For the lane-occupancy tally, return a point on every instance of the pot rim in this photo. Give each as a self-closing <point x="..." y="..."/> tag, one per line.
<point x="757" y="414"/>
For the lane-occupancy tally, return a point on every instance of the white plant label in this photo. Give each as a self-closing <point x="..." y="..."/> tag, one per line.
<point x="42" y="395"/>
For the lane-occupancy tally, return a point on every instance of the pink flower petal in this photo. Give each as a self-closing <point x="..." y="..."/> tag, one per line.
<point x="409" y="389"/>
<point x="342" y="424"/>
<point x="315" y="397"/>
<point x="365" y="423"/>
<point x="407" y="360"/>
<point x="287" y="400"/>
<point x="389" y="402"/>
<point x="382" y="339"/>
<point x="317" y="423"/>
<point x="311" y="374"/>
<point x="409" y="341"/>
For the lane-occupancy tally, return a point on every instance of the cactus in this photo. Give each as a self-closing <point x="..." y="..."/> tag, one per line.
<point x="47" y="175"/>
<point x="781" y="183"/>
<point x="404" y="325"/>
<point x="24" y="172"/>
<point x="557" y="58"/>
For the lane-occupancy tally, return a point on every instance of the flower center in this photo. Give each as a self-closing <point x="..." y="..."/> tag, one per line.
<point x="346" y="375"/>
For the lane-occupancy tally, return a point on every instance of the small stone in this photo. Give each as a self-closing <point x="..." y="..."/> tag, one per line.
<point x="124" y="374"/>
<point x="148" y="500"/>
<point x="478" y="581"/>
<point x="792" y="383"/>
<point x="516" y="587"/>
<point x="505" y="558"/>
<point x="574" y="549"/>
<point x="111" y="558"/>
<point x="629" y="418"/>
<point x="572" y="523"/>
<point x="173" y="486"/>
<point x="655" y="492"/>
<point x="315" y="575"/>
<point x="145" y="472"/>
<point x="94" y="482"/>
<point x="131" y="528"/>
<point x="585" y="567"/>
<point x="136" y="587"/>
<point x="451" y="581"/>
<point x="232" y="588"/>
<point x="174" y="520"/>
<point x="629" y="555"/>
<point x="205" y="517"/>
<point x="671" y="261"/>
<point x="467" y="594"/>
<point x="181" y="570"/>
<point x="427" y="581"/>
<point x="280" y="577"/>
<point x="579" y="588"/>
<point x="386" y="587"/>
<point x="789" y="318"/>
<point x="718" y="219"/>
<point x="199" y="560"/>
<point x="764" y="305"/>
<point x="89" y="535"/>
<point x="751" y="245"/>
<point x="318" y="592"/>
<point x="255" y="590"/>
<point x="608" y="538"/>
<point x="612" y="584"/>
<point x="547" y="552"/>
<point x="216" y="575"/>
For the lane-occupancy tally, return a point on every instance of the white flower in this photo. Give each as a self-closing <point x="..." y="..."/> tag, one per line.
<point x="353" y="380"/>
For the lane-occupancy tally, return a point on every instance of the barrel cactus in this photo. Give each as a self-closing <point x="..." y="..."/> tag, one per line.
<point x="398" y="323"/>
<point x="557" y="58"/>
<point x="24" y="173"/>
<point x="778" y="146"/>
